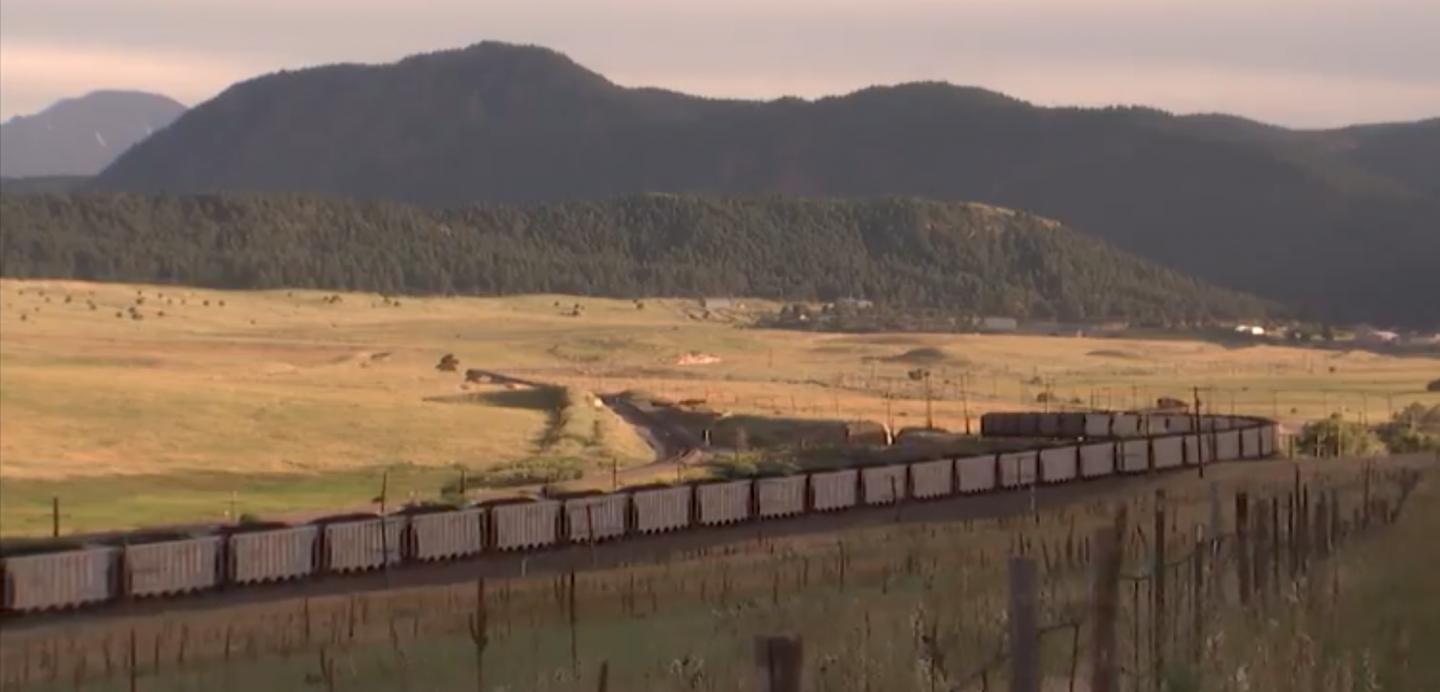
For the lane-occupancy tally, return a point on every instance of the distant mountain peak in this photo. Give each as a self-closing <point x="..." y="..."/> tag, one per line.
<point x="83" y="134"/>
<point x="519" y="61"/>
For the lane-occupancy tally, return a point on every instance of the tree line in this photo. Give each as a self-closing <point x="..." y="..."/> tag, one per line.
<point x="902" y="253"/>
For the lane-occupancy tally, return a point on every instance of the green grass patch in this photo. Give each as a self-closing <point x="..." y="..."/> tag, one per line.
<point x="531" y="471"/>
<point x="122" y="502"/>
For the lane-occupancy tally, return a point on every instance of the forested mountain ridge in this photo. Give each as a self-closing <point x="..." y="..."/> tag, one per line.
<point x="1343" y="224"/>
<point x="900" y="252"/>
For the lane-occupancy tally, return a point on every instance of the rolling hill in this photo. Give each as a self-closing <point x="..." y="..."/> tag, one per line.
<point x="81" y="136"/>
<point x="1342" y="224"/>
<point x="957" y="259"/>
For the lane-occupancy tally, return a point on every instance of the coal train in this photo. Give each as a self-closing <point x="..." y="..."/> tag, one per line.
<point x="1081" y="446"/>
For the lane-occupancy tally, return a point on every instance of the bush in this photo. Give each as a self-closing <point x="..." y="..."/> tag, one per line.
<point x="750" y="466"/>
<point x="1434" y="386"/>
<point x="1414" y="428"/>
<point x="532" y="470"/>
<point x="1335" y="436"/>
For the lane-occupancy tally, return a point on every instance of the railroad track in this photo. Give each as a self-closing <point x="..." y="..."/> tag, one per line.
<point x="1086" y="446"/>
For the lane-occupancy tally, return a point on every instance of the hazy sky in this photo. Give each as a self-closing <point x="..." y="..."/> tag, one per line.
<point x="1297" y="62"/>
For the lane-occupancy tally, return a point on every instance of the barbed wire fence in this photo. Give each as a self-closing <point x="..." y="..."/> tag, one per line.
<point x="1149" y="615"/>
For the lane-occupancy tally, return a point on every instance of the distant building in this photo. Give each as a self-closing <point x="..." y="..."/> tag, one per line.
<point x="998" y="324"/>
<point x="1366" y="335"/>
<point x="854" y="303"/>
<point x="1109" y="327"/>
<point x="719" y="303"/>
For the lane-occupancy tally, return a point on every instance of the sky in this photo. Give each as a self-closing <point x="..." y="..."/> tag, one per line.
<point x="1301" y="63"/>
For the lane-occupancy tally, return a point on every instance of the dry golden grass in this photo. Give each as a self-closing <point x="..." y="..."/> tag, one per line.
<point x="289" y="385"/>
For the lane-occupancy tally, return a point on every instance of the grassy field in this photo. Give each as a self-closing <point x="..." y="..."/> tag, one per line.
<point x="888" y="607"/>
<point x="294" y="401"/>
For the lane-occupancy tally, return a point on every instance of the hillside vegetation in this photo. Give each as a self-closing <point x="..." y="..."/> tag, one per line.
<point x="903" y="253"/>
<point x="1341" y="223"/>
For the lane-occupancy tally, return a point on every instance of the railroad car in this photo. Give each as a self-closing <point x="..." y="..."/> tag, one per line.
<point x="1110" y="443"/>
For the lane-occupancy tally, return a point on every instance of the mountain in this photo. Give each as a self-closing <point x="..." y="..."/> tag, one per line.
<point x="1342" y="224"/>
<point x="81" y="136"/>
<point x="900" y="252"/>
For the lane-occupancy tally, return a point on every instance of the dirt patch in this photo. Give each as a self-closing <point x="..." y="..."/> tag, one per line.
<point x="924" y="355"/>
<point x="697" y="358"/>
<point x="1115" y="353"/>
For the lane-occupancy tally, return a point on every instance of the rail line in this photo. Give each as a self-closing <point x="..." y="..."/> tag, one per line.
<point x="1084" y="446"/>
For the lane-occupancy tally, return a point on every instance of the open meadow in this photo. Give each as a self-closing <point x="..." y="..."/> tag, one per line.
<point x="139" y="405"/>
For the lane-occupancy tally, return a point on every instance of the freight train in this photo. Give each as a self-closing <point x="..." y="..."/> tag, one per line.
<point x="1081" y="446"/>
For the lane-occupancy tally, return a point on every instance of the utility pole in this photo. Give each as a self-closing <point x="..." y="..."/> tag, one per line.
<point x="889" y="417"/>
<point x="923" y="375"/>
<point x="929" y="406"/>
<point x="1199" y="448"/>
<point x="965" y="400"/>
<point x="384" y="489"/>
<point x="384" y="532"/>
<point x="55" y="516"/>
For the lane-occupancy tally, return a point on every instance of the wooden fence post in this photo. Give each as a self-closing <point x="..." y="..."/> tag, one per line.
<point x="1365" y="501"/>
<point x="779" y="663"/>
<point x="1197" y="599"/>
<point x="574" y="623"/>
<point x="1109" y="546"/>
<point x="1304" y="528"/>
<point x="1024" y="630"/>
<point x="1242" y="545"/>
<point x="1157" y="635"/>
<point x="479" y="632"/>
<point x="134" y="664"/>
<point x="1217" y="528"/>
<point x="1334" y="531"/>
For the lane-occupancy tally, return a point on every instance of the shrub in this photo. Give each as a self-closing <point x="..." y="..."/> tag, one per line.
<point x="1414" y="428"/>
<point x="1335" y="436"/>
<point x="1433" y="386"/>
<point x="532" y="470"/>
<point x="750" y="465"/>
